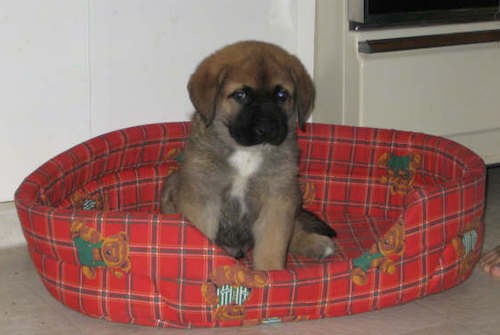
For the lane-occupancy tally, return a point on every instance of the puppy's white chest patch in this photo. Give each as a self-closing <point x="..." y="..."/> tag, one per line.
<point x="245" y="164"/>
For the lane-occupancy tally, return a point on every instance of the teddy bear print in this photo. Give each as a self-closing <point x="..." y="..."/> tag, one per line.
<point x="95" y="251"/>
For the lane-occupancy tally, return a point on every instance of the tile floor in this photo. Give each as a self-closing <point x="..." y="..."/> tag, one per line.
<point x="471" y="308"/>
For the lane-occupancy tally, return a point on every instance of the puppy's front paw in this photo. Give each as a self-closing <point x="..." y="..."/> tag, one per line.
<point x="313" y="246"/>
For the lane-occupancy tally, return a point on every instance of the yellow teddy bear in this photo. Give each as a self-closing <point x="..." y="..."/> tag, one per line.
<point x="96" y="251"/>
<point x="380" y="255"/>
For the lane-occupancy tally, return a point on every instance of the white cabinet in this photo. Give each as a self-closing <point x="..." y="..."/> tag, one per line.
<point x="451" y="91"/>
<point x="448" y="91"/>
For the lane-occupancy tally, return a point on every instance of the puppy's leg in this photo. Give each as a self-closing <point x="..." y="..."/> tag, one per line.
<point x="272" y="232"/>
<point x="202" y="210"/>
<point x="312" y="237"/>
<point x="204" y="215"/>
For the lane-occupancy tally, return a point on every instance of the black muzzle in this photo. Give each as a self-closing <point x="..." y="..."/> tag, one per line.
<point x="258" y="124"/>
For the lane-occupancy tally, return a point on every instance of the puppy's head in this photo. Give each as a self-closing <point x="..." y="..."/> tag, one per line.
<point x="256" y="91"/>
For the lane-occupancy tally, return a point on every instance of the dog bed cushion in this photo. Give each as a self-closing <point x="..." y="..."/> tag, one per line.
<point x="407" y="208"/>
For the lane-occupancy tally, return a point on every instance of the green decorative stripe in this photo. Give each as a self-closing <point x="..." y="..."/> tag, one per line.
<point x="180" y="157"/>
<point x="89" y="204"/>
<point x="365" y="260"/>
<point x="271" y="321"/>
<point x="86" y="252"/>
<point x="469" y="240"/>
<point x="229" y="295"/>
<point x="399" y="163"/>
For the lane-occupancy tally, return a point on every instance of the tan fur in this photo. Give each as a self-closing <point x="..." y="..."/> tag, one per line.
<point x="272" y="240"/>
<point x="200" y="188"/>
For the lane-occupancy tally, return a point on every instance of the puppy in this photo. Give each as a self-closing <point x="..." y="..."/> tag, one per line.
<point x="238" y="179"/>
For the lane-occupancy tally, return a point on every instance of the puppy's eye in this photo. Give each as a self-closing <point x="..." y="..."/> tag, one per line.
<point x="281" y="95"/>
<point x="241" y="96"/>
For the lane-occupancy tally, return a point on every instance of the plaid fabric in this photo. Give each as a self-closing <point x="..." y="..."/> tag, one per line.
<point x="407" y="207"/>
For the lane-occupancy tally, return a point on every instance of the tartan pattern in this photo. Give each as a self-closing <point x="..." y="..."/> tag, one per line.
<point x="171" y="261"/>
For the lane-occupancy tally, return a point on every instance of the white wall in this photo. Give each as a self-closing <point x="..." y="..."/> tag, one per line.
<point x="44" y="92"/>
<point x="74" y="69"/>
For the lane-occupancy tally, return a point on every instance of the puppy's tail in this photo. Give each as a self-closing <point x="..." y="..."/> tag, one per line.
<point x="310" y="223"/>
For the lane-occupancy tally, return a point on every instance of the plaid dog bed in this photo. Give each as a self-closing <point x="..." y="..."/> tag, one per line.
<point x="407" y="208"/>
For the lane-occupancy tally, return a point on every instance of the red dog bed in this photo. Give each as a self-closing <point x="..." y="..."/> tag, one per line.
<point x="407" y="208"/>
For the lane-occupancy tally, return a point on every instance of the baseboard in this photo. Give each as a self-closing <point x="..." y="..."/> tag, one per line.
<point x="486" y="143"/>
<point x="11" y="234"/>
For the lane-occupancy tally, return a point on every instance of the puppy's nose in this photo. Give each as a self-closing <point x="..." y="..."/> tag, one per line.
<point x="270" y="125"/>
<point x="264" y="128"/>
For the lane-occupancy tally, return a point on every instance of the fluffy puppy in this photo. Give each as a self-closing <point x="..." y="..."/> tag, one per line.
<point x="238" y="179"/>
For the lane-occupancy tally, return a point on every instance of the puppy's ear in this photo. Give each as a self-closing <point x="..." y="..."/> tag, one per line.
<point x="204" y="88"/>
<point x="304" y="92"/>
